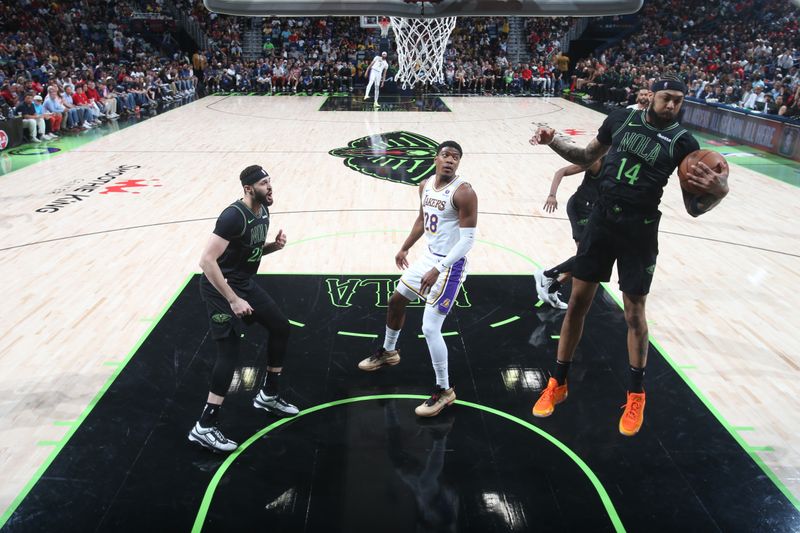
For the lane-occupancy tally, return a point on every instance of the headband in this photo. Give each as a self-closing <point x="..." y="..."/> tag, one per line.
<point x="668" y="84"/>
<point x="254" y="176"/>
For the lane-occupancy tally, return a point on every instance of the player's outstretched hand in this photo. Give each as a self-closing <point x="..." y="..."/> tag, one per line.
<point x="428" y="280"/>
<point x="708" y="180"/>
<point x="551" y="204"/>
<point x="543" y="135"/>
<point x="280" y="240"/>
<point x="401" y="259"/>
<point x="241" y="308"/>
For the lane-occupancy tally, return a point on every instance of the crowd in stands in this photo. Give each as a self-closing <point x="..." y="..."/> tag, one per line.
<point x="69" y="66"/>
<point x="740" y="53"/>
<point x="332" y="54"/>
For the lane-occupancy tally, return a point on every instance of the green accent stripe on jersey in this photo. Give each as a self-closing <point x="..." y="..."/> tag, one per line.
<point x="672" y="144"/>
<point x="624" y="123"/>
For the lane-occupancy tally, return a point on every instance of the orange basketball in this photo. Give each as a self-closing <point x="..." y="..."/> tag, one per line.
<point x="713" y="160"/>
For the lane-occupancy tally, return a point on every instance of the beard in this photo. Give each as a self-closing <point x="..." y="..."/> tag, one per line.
<point x="262" y="198"/>
<point x="658" y="121"/>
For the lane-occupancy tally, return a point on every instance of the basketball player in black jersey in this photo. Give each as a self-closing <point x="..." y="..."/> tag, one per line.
<point x="230" y="261"/>
<point x="579" y="207"/>
<point x="642" y="150"/>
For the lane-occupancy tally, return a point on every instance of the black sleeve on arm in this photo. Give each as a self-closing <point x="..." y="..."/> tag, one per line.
<point x="612" y="122"/>
<point x="230" y="224"/>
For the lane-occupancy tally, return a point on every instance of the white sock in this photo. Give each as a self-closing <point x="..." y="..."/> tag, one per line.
<point x="432" y="329"/>
<point x="390" y="340"/>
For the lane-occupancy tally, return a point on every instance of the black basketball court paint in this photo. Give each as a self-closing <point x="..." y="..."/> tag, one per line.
<point x="357" y="459"/>
<point x="420" y="103"/>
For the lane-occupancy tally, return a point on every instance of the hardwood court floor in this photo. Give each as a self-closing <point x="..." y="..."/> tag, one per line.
<point x="86" y="265"/>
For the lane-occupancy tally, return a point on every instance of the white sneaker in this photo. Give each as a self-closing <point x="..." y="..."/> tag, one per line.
<point x="543" y="284"/>
<point x="35" y="139"/>
<point x="86" y="125"/>
<point x="211" y="439"/>
<point x="274" y="405"/>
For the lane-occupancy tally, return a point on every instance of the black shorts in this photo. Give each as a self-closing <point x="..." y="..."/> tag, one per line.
<point x="630" y="239"/>
<point x="578" y="211"/>
<point x="221" y="319"/>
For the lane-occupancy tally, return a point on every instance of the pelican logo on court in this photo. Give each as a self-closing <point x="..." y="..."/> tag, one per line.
<point x="399" y="156"/>
<point x="35" y="150"/>
<point x="127" y="186"/>
<point x="220" y="318"/>
<point x="3" y="139"/>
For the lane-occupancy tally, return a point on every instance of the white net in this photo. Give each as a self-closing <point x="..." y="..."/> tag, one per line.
<point x="420" y="49"/>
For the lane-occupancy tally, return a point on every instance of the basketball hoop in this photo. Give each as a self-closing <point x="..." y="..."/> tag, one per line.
<point x="421" y="44"/>
<point x="384" y="23"/>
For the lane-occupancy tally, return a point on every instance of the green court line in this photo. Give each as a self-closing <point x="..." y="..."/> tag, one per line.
<point x="47" y="443"/>
<point x="539" y="303"/>
<point x="112" y="363"/>
<point x="444" y="334"/>
<point x="298" y="324"/>
<point x="64" y="422"/>
<point x="220" y="473"/>
<point x="504" y="322"/>
<point x="351" y="334"/>
<point x="63" y="442"/>
<point x="743" y="428"/>
<point x="556" y="337"/>
<point x="754" y="456"/>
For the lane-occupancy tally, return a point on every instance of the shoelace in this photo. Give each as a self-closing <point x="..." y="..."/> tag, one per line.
<point x="636" y="406"/>
<point x="434" y="397"/>
<point x="377" y="355"/>
<point x="219" y="436"/>
<point x="549" y="394"/>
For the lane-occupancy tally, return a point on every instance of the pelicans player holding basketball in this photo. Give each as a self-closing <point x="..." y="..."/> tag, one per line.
<point x="643" y="149"/>
<point x="448" y="215"/>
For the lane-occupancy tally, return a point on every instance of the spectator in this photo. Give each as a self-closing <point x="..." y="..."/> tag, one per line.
<point x="31" y="121"/>
<point x="51" y="120"/>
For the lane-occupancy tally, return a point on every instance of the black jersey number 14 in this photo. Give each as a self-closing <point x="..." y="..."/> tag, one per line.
<point x="632" y="173"/>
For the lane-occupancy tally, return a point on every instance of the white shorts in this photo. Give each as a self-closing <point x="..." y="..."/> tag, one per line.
<point x="444" y="292"/>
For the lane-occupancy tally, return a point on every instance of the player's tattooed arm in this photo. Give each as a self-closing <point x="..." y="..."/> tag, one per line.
<point x="571" y="152"/>
<point x="577" y="155"/>
<point x="714" y="186"/>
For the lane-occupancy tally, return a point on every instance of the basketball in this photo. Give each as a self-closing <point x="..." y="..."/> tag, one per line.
<point x="713" y="160"/>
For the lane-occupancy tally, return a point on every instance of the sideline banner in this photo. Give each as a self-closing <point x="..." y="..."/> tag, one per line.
<point x="765" y="132"/>
<point x="10" y="133"/>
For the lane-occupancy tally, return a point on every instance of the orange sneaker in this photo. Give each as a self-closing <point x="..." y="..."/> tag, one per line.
<point x="632" y="418"/>
<point x="551" y="396"/>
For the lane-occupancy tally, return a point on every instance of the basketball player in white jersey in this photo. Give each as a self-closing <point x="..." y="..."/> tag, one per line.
<point x="377" y="75"/>
<point x="448" y="215"/>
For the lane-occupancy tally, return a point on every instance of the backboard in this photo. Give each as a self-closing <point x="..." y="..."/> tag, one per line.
<point x="434" y="9"/>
